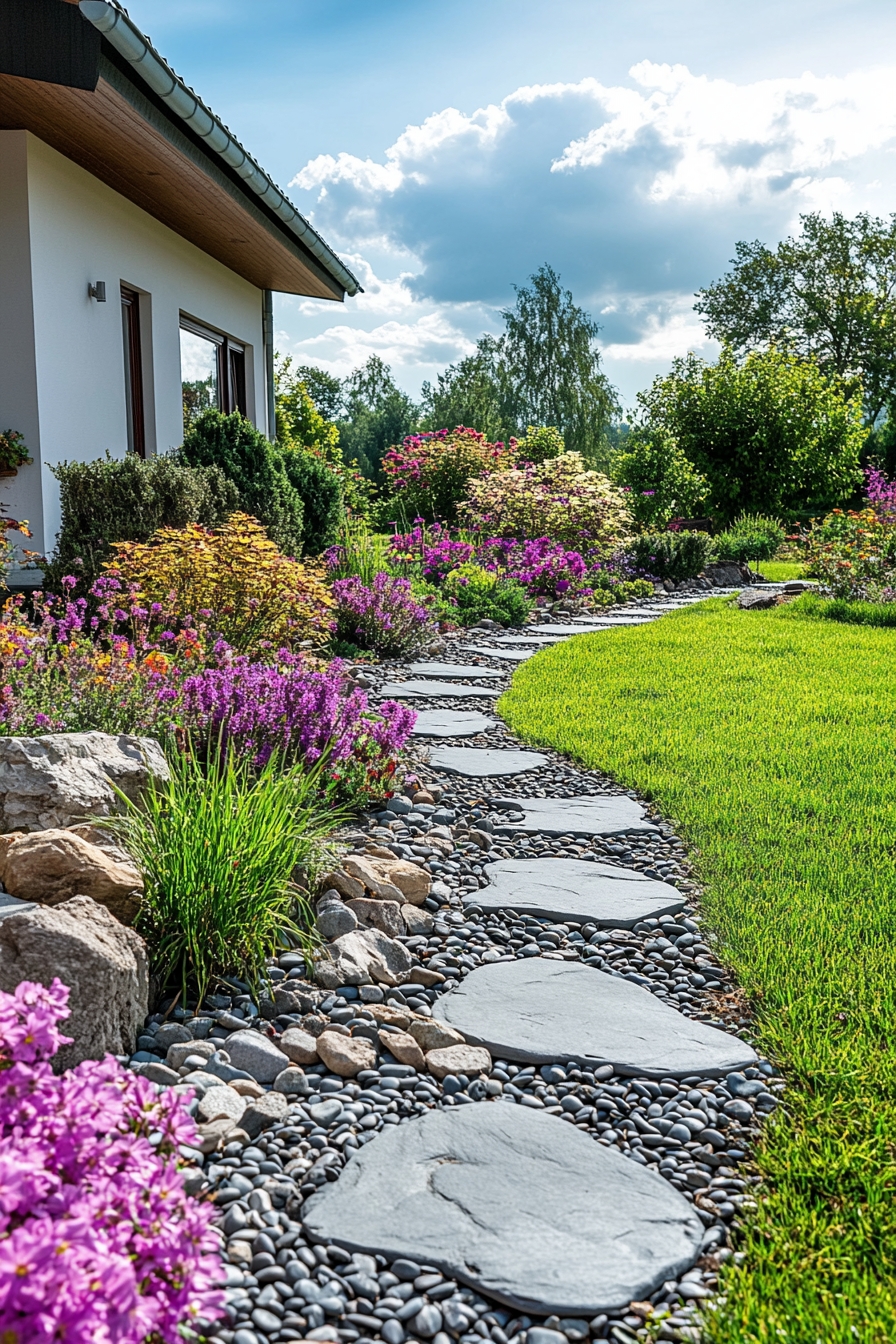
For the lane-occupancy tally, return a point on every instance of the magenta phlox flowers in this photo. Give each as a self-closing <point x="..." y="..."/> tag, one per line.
<point x="99" y="1242"/>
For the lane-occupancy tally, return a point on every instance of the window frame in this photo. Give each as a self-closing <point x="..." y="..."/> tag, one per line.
<point x="135" y="405"/>
<point x="231" y="365"/>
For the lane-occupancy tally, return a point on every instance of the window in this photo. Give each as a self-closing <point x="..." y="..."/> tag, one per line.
<point x="213" y="371"/>
<point x="133" y="371"/>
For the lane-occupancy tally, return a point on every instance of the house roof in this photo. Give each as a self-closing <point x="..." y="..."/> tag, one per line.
<point x="141" y="130"/>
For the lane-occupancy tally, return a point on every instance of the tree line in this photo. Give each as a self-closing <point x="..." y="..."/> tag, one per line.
<point x="803" y="392"/>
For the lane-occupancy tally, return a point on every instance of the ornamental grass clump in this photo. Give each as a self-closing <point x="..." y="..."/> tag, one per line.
<point x="558" y="498"/>
<point x="430" y="474"/>
<point x="235" y="578"/>
<point x="384" y="618"/>
<point x="99" y="1241"/>
<point x="751" y="537"/>
<point x="218" y="845"/>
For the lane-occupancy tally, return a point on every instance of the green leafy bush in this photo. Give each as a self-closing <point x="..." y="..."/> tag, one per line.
<point x="218" y="845"/>
<point x="750" y="537"/>
<point x="128" y="499"/>
<point x="255" y="466"/>
<point x="659" y="481"/>
<point x="540" y="443"/>
<point x="671" y="555"/>
<point x="481" y="595"/>
<point x="320" y="491"/>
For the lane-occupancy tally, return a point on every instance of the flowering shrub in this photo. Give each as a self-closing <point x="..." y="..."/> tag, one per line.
<point x="99" y="1242"/>
<point x="234" y="577"/>
<point x="559" y="498"/>
<point x="384" y="618"/>
<point x="431" y="473"/>
<point x="853" y="555"/>
<point x="881" y="494"/>
<point x="300" y="714"/>
<point x="544" y="568"/>
<point x="479" y="594"/>
<point x="430" y="551"/>
<point x="539" y="444"/>
<point x="657" y="479"/>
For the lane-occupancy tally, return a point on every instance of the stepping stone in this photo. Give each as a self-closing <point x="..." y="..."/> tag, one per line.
<point x="532" y="639"/>
<point x="541" y="1011"/>
<point x="562" y="631"/>
<point x="613" y="620"/>
<point x="452" y="670"/>
<point x="484" y="763"/>
<point x="450" y="723"/>
<point x="597" y="893"/>
<point x="434" y="690"/>
<point x="514" y="655"/>
<point x="524" y="1208"/>
<point x="578" y="816"/>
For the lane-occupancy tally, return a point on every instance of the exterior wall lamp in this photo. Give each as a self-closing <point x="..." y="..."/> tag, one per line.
<point x="97" y="291"/>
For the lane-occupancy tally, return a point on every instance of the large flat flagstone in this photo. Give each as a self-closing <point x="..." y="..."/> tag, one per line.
<point x="452" y="670"/>
<point x="451" y="723"/>
<point x="531" y="639"/>
<point x="581" y="816"/>
<point x="523" y="1207"/>
<point x="433" y="690"/>
<point x="484" y="762"/>
<point x="511" y="655"/>
<point x="554" y="628"/>
<point x="541" y="1011"/>
<point x="614" y="620"/>
<point x="595" y="893"/>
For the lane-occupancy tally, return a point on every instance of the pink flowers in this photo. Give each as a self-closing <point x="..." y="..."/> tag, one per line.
<point x="99" y="1243"/>
<point x="384" y="618"/>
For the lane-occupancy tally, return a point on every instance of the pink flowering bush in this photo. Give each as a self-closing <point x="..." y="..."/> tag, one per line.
<point x="99" y="1242"/>
<point x="542" y="566"/>
<point x="429" y="551"/>
<point x="430" y="473"/>
<point x="385" y="618"/>
<point x="559" y="498"/>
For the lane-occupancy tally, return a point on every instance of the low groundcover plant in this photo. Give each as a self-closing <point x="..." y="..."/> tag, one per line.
<point x="99" y="1242"/>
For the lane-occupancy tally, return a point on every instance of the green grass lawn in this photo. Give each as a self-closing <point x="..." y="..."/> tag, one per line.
<point x="780" y="571"/>
<point x="768" y="738"/>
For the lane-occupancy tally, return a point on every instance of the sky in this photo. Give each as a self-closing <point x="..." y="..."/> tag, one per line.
<point x="446" y="151"/>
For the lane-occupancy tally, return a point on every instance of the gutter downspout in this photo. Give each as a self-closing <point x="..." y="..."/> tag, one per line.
<point x="268" y="329"/>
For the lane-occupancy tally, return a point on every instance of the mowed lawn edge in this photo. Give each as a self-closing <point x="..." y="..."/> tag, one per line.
<point x="768" y="739"/>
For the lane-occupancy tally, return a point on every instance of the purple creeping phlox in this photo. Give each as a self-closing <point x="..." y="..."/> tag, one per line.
<point x="304" y="715"/>
<point x="99" y="1241"/>
<point x="385" y="618"/>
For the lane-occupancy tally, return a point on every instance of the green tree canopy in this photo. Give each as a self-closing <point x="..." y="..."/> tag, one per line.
<point x="828" y="294"/>
<point x="550" y="366"/>
<point x="376" y="414"/>
<point x="771" y="433"/>
<point x="470" y="393"/>
<point x="661" y="482"/>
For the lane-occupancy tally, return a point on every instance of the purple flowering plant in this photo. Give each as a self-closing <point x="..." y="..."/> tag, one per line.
<point x="99" y="1241"/>
<point x="385" y="617"/>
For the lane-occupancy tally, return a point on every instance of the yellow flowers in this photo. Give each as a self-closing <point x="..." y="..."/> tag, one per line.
<point x="235" y="578"/>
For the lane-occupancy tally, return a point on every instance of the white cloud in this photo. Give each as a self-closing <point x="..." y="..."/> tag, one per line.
<point x="636" y="193"/>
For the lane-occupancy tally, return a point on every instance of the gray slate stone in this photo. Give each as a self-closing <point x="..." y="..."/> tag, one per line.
<point x="523" y="1207"/>
<point x="615" y="898"/>
<point x="531" y="638"/>
<point x="542" y="1011"/>
<point x="451" y="723"/>
<point x="451" y="670"/>
<point x="11" y="905"/>
<point x="256" y="1055"/>
<point x="610" y="815"/>
<point x="629" y="618"/>
<point x="433" y="690"/>
<point x="509" y="655"/>
<point x="484" y="763"/>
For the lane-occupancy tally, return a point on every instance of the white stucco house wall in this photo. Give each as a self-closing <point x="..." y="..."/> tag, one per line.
<point x="140" y="246"/>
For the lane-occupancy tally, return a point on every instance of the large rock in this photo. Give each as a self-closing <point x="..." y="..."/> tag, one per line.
<point x="103" y="963"/>
<point x="467" y="1059"/>
<point x="361" y="958"/>
<point x="542" y="1011"/>
<point x="759" y="599"/>
<point x="346" y="1055"/>
<point x="383" y="915"/>
<point x="50" y="867"/>
<point x="523" y="1207"/>
<point x="725" y="576"/>
<point x="598" y="893"/>
<point x="256" y="1055"/>
<point x="63" y="778"/>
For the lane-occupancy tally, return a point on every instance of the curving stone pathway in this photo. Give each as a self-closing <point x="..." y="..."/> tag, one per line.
<point x="517" y="1204"/>
<point x="595" y="893"/>
<point x="538" y="1010"/>
<point x="558" y="1193"/>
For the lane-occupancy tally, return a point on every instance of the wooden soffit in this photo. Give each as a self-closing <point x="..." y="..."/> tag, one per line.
<point x="125" y="140"/>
